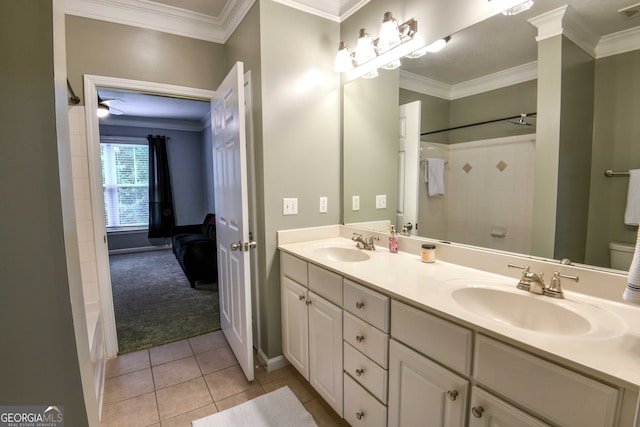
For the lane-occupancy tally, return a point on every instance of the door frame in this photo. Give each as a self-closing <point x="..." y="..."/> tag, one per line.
<point x="91" y="84"/>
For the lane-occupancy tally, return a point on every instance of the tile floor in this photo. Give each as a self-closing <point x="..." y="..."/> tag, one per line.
<point x="176" y="383"/>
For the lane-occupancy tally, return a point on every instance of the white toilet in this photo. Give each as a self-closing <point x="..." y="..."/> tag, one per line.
<point x="620" y="255"/>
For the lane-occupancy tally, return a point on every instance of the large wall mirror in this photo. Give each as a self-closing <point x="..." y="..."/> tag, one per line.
<point x="522" y="130"/>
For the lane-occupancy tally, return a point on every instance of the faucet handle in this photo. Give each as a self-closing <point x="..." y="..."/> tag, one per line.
<point x="525" y="282"/>
<point x="555" y="287"/>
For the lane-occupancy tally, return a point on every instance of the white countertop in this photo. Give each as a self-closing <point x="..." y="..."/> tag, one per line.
<point x="612" y="355"/>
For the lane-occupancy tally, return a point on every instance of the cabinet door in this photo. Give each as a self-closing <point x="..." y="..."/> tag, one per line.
<point x="325" y="350"/>
<point x="422" y="392"/>
<point x="489" y="411"/>
<point x="295" y="325"/>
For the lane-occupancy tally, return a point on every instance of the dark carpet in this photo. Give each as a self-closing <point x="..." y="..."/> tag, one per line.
<point x="154" y="303"/>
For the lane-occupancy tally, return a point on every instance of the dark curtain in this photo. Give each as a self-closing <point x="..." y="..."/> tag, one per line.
<point x="161" y="215"/>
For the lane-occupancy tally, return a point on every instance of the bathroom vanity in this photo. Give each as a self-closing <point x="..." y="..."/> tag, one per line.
<point x="388" y="340"/>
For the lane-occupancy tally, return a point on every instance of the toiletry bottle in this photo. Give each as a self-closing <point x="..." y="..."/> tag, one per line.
<point x="428" y="253"/>
<point x="393" y="240"/>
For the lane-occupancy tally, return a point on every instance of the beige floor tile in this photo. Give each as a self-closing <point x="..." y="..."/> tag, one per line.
<point x="175" y="372"/>
<point x="136" y="412"/>
<point x="265" y="377"/>
<point x="323" y="414"/>
<point x="206" y="342"/>
<point x="127" y="363"/>
<point x="298" y="385"/>
<point x="170" y="352"/>
<point x="184" y="420"/>
<point x="216" y="359"/>
<point x="181" y="398"/>
<point x="127" y="386"/>
<point x="239" y="398"/>
<point x="227" y="382"/>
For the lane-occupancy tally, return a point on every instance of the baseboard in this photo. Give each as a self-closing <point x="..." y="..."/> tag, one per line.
<point x="139" y="249"/>
<point x="273" y="363"/>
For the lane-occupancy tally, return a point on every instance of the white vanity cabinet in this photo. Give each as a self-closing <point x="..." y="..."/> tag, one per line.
<point x="312" y="326"/>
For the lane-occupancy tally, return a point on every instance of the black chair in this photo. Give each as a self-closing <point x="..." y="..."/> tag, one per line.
<point x="195" y="249"/>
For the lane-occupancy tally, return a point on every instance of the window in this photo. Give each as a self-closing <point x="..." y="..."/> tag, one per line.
<point x="125" y="181"/>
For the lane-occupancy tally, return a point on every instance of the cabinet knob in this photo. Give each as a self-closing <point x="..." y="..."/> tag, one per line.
<point x="477" y="411"/>
<point x="359" y="415"/>
<point x="359" y="305"/>
<point x="359" y="372"/>
<point x="359" y="338"/>
<point x="308" y="302"/>
<point x="452" y="395"/>
<point x="301" y="297"/>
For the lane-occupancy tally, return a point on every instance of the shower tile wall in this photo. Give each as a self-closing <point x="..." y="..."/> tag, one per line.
<point x="82" y="201"/>
<point x="489" y="185"/>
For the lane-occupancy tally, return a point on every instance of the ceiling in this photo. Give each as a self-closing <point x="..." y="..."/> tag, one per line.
<point x="508" y="39"/>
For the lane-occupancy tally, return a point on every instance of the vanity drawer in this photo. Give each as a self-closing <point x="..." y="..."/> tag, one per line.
<point x="432" y="336"/>
<point x="293" y="267"/>
<point x="562" y="396"/>
<point x="500" y="413"/>
<point x="366" y="372"/>
<point x="368" y="305"/>
<point x="360" y="408"/>
<point x="366" y="339"/>
<point x="326" y="283"/>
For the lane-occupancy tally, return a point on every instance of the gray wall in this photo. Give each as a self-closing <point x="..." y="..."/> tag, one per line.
<point x="44" y="359"/>
<point x="615" y="146"/>
<point x="107" y="49"/>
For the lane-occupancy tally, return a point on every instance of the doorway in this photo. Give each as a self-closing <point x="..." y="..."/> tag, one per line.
<point x="92" y="83"/>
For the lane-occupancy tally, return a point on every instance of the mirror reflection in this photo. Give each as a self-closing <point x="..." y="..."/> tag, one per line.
<point x="518" y="134"/>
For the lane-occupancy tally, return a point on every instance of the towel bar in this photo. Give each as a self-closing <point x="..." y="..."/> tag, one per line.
<point x="609" y="173"/>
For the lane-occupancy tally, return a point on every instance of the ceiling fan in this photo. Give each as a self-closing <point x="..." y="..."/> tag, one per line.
<point x="105" y="107"/>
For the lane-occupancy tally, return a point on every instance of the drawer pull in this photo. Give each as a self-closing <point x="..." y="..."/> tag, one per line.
<point x="359" y="415"/>
<point x="477" y="411"/>
<point x="359" y="305"/>
<point x="308" y="302"/>
<point x="301" y="297"/>
<point x="359" y="372"/>
<point x="452" y="395"/>
<point x="359" y="338"/>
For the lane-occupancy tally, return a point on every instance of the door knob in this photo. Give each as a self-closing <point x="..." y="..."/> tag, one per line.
<point x="235" y="246"/>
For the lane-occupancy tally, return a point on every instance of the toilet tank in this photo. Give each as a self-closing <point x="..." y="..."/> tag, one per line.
<point x="620" y="255"/>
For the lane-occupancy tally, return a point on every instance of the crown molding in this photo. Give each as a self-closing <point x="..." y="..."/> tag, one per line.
<point x="511" y="76"/>
<point x="617" y="43"/>
<point x="164" y="18"/>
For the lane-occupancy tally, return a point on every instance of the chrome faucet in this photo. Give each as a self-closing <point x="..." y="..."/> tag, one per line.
<point x="534" y="282"/>
<point x="362" y="243"/>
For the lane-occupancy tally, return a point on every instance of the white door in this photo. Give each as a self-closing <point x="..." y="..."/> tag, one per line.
<point x="408" y="165"/>
<point x="232" y="217"/>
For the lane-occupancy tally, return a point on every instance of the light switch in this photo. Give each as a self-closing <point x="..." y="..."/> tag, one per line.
<point x="323" y="205"/>
<point x="381" y="201"/>
<point x="289" y="206"/>
<point x="355" y="203"/>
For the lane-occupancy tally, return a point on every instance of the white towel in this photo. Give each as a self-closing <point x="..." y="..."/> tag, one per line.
<point x="632" y="212"/>
<point x="434" y="176"/>
<point x="632" y="293"/>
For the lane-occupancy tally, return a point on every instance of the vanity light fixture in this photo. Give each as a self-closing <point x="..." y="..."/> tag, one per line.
<point x="344" y="59"/>
<point x="512" y="7"/>
<point x="395" y="41"/>
<point x="438" y="45"/>
<point x="389" y="33"/>
<point x="365" y="50"/>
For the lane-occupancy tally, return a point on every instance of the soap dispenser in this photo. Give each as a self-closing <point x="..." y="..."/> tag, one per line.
<point x="393" y="240"/>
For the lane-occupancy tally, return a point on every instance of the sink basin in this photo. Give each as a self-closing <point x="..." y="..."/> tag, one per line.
<point x="342" y="253"/>
<point x="522" y="311"/>
<point x="508" y="306"/>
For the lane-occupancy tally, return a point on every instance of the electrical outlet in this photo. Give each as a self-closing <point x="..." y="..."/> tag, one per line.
<point x="323" y="205"/>
<point x="355" y="203"/>
<point x="289" y="206"/>
<point x="381" y="201"/>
